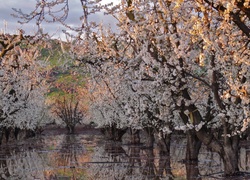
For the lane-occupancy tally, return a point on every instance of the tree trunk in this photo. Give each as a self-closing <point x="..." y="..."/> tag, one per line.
<point x="164" y="161"/>
<point x="193" y="146"/>
<point x="228" y="149"/>
<point x="16" y="132"/>
<point x="113" y="133"/>
<point x="193" y="170"/>
<point x="7" y="133"/>
<point x="228" y="152"/>
<point x="71" y="129"/>
<point x="1" y="134"/>
<point x="193" y="142"/>
<point x="30" y="133"/>
<point x="134" y="159"/>
<point x="134" y="136"/>
<point x="230" y="156"/>
<point x="5" y="172"/>
<point x="114" y="150"/>
<point x="151" y="138"/>
<point x="164" y="144"/>
<point x="149" y="168"/>
<point x="117" y="133"/>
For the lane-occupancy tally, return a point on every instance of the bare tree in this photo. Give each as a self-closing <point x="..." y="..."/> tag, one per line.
<point x="68" y="110"/>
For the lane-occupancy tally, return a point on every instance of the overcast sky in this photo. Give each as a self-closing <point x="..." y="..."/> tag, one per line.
<point x="9" y="24"/>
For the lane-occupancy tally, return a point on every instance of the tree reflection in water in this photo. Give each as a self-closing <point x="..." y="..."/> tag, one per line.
<point x="87" y="157"/>
<point x="165" y="166"/>
<point x="122" y="161"/>
<point x="193" y="171"/>
<point x="4" y="171"/>
<point x="21" y="163"/>
<point x="68" y="159"/>
<point x="129" y="162"/>
<point x="45" y="158"/>
<point x="70" y="152"/>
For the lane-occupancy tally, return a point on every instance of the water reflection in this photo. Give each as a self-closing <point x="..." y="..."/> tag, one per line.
<point x="21" y="165"/>
<point x="4" y="171"/>
<point x="76" y="157"/>
<point x="66" y="159"/>
<point x="47" y="158"/>
<point x="130" y="162"/>
<point x="137" y="162"/>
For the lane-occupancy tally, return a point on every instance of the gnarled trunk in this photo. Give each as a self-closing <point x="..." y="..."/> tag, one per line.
<point x="230" y="156"/>
<point x="229" y="152"/>
<point x="228" y="149"/>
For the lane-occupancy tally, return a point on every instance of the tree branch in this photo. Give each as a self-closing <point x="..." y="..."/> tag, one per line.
<point x="235" y="17"/>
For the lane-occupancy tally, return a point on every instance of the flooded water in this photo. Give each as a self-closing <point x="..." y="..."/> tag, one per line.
<point x="90" y="157"/>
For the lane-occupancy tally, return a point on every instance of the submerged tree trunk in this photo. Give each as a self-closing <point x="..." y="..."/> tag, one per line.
<point x="118" y="133"/>
<point x="1" y="134"/>
<point x="230" y="156"/>
<point x="193" y="146"/>
<point x="113" y="133"/>
<point x="134" y="136"/>
<point x="149" y="168"/>
<point x="193" y="171"/>
<point x="134" y="156"/>
<point x="151" y="138"/>
<point x="228" y="149"/>
<point x="229" y="152"/>
<point x="16" y="132"/>
<point x="114" y="150"/>
<point x="164" y="144"/>
<point x="71" y="129"/>
<point x="193" y="142"/>
<point x="7" y="133"/>
<point x="164" y="161"/>
<point x="30" y="133"/>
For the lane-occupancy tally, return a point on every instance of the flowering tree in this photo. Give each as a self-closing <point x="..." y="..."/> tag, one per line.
<point x="189" y="38"/>
<point x="201" y="66"/>
<point x="195" y="54"/>
<point x="22" y="85"/>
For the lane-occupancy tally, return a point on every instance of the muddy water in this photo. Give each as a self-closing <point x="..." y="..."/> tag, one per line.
<point x="90" y="157"/>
